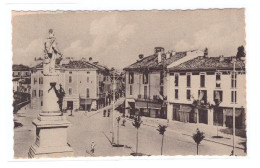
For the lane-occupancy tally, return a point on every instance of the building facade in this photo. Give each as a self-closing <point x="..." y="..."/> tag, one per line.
<point x="205" y="90"/>
<point x="85" y="83"/>
<point x="21" y="78"/>
<point x="146" y="83"/>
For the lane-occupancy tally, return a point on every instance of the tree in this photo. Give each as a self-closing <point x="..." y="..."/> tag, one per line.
<point x="137" y="123"/>
<point x="198" y="137"/>
<point x="161" y="129"/>
<point x="240" y="52"/>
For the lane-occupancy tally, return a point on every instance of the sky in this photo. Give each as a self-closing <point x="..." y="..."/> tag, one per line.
<point x="116" y="38"/>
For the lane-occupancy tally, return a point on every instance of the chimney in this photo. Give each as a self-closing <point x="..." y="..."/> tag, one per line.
<point x="90" y="59"/>
<point x="159" y="57"/>
<point x="158" y="49"/>
<point x="221" y="58"/>
<point x="141" y="56"/>
<point x="206" y="52"/>
<point x="168" y="55"/>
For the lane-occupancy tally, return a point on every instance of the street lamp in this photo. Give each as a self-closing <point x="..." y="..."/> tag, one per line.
<point x="113" y="105"/>
<point x="234" y="100"/>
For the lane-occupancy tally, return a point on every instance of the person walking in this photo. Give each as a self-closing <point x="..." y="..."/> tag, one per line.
<point x="108" y="113"/>
<point x="93" y="147"/>
<point x="104" y="113"/>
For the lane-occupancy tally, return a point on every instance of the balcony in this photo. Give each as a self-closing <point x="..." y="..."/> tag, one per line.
<point x="147" y="98"/>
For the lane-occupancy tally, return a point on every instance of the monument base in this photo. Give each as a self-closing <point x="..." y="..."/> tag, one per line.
<point x="51" y="138"/>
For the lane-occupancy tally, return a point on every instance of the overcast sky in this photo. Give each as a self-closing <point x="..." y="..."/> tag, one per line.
<point x="117" y="38"/>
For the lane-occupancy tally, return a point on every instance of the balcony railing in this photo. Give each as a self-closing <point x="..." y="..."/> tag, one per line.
<point x="148" y="98"/>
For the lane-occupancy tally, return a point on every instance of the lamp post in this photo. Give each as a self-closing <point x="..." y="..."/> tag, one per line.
<point x="234" y="109"/>
<point x="113" y="108"/>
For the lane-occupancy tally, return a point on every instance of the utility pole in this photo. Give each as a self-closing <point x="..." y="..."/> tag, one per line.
<point x="234" y="109"/>
<point x="113" y="108"/>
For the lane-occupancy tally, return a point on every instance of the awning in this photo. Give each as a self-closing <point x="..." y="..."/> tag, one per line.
<point x="150" y="105"/>
<point x="141" y="104"/>
<point x="185" y="108"/>
<point x="132" y="105"/>
<point x="86" y="101"/>
<point x="229" y="112"/>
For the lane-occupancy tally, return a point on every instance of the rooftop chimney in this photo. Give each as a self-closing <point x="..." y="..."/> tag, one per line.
<point x="221" y="58"/>
<point x="158" y="49"/>
<point x="90" y="59"/>
<point x="159" y="57"/>
<point x="141" y="56"/>
<point x="206" y="52"/>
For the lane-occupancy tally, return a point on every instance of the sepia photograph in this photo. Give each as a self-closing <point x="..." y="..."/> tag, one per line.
<point x="129" y="83"/>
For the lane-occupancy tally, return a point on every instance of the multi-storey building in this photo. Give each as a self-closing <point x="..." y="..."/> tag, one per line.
<point x="207" y="89"/>
<point x="145" y="82"/>
<point x="21" y="78"/>
<point x="86" y="84"/>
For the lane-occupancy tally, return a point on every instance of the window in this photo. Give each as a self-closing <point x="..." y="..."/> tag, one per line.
<point x="218" y="80"/>
<point x="87" y="79"/>
<point x="87" y="93"/>
<point x="35" y="80"/>
<point x="145" y="92"/>
<point x="218" y="96"/>
<point x="202" y="96"/>
<point x="70" y="91"/>
<point x="233" y="96"/>
<point x="131" y="89"/>
<point x="40" y="80"/>
<point x="131" y="78"/>
<point x="70" y="79"/>
<point x="202" y="80"/>
<point x="34" y="93"/>
<point x="188" y="80"/>
<point x="145" y="78"/>
<point x="40" y="93"/>
<point x="41" y="103"/>
<point x="233" y="80"/>
<point x="70" y="72"/>
<point x="176" y="93"/>
<point x="176" y="79"/>
<point x="161" y="78"/>
<point x="188" y="94"/>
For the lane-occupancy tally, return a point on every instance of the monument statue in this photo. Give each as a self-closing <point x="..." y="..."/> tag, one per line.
<point x="51" y="124"/>
<point x="51" y="52"/>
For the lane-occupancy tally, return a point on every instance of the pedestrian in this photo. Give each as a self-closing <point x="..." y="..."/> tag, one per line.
<point x="104" y="113"/>
<point x="93" y="147"/>
<point x="108" y="113"/>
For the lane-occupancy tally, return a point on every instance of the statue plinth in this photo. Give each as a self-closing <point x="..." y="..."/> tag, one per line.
<point x="51" y="125"/>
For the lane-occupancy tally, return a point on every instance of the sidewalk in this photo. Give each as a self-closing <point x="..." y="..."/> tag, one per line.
<point x="189" y="129"/>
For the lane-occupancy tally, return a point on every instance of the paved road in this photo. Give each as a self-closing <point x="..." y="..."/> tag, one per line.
<point x="92" y="126"/>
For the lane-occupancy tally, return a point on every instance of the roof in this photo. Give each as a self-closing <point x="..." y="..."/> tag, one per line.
<point x="20" y="67"/>
<point x="209" y="64"/>
<point x="151" y="62"/>
<point x="75" y="64"/>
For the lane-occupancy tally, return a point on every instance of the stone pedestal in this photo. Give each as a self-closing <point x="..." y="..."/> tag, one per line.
<point x="51" y="125"/>
<point x="51" y="138"/>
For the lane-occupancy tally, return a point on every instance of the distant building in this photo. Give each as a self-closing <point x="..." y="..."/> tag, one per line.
<point x="207" y="87"/>
<point x="86" y="84"/>
<point x="146" y="83"/>
<point x="21" y="78"/>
